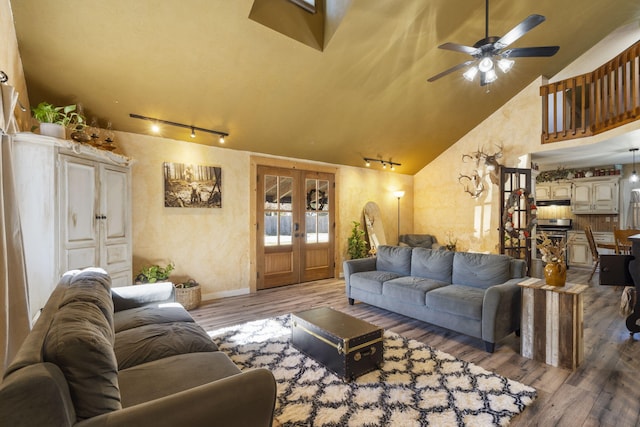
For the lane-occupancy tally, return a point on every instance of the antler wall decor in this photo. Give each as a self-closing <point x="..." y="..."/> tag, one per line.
<point x="486" y="164"/>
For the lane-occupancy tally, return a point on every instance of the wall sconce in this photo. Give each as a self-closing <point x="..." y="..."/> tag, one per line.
<point x="156" y="128"/>
<point x="385" y="163"/>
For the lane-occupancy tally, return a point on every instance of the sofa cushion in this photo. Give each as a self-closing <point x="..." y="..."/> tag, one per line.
<point x="432" y="264"/>
<point x="79" y="341"/>
<point x="410" y="290"/>
<point x="152" y="342"/>
<point x="480" y="270"/>
<point x="151" y="314"/>
<point x="83" y="288"/>
<point x="458" y="300"/>
<point x="174" y="374"/>
<point x="395" y="259"/>
<point x="371" y="281"/>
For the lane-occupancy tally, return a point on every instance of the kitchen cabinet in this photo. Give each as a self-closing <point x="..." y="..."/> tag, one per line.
<point x="578" y="251"/>
<point x="553" y="191"/>
<point x="595" y="196"/>
<point x="75" y="211"/>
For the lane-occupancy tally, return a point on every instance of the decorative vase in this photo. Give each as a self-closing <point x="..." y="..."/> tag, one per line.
<point x="555" y="273"/>
<point x="53" y="129"/>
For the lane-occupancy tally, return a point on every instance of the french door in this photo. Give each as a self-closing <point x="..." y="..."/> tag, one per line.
<point x="295" y="212"/>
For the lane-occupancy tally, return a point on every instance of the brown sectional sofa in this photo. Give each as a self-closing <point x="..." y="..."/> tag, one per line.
<point x="127" y="356"/>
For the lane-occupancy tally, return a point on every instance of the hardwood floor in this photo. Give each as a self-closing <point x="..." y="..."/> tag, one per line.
<point x="603" y="391"/>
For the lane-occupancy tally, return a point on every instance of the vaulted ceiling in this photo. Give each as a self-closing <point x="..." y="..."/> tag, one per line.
<point x="362" y="92"/>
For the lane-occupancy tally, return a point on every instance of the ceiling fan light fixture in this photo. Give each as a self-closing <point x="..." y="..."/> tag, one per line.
<point x="470" y="74"/>
<point x="485" y="64"/>
<point x="506" y="64"/>
<point x="490" y="76"/>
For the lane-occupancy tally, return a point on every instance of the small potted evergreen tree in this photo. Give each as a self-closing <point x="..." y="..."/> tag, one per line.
<point x="357" y="247"/>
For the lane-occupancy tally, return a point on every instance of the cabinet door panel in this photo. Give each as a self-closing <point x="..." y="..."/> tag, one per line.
<point x="78" y="223"/>
<point x="114" y="196"/>
<point x="579" y="254"/>
<point x="80" y="186"/>
<point x="115" y="190"/>
<point x="77" y="259"/>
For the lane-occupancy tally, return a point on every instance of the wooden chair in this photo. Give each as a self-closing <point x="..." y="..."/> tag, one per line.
<point x="621" y="237"/>
<point x="594" y="250"/>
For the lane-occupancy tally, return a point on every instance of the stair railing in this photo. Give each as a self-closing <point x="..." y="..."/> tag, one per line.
<point x="595" y="102"/>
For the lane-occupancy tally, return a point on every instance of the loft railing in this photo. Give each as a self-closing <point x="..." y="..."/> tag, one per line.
<point x="594" y="102"/>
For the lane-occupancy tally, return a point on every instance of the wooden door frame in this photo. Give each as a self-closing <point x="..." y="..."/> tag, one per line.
<point x="256" y="161"/>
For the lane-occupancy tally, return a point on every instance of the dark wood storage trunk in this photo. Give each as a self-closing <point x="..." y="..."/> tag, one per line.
<point x="347" y="346"/>
<point x="614" y="270"/>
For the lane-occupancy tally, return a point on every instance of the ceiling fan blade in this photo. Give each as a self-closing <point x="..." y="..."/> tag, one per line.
<point x="519" y="30"/>
<point x="450" y="70"/>
<point x="460" y="48"/>
<point x="521" y="52"/>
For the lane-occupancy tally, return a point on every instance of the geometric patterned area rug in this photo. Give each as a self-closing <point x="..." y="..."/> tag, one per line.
<point x="416" y="385"/>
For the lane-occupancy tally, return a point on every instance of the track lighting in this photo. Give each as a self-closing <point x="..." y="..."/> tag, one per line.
<point x="384" y="163"/>
<point x="156" y="128"/>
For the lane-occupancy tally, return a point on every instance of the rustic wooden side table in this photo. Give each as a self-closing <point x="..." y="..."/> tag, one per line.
<point x="552" y="323"/>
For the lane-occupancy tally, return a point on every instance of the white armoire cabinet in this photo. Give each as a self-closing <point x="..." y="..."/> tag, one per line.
<point x="75" y="210"/>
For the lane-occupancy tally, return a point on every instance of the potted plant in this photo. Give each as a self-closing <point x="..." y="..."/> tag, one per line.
<point x="53" y="120"/>
<point x="154" y="273"/>
<point x="357" y="245"/>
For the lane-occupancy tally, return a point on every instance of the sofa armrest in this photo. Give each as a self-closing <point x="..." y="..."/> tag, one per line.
<point x="352" y="266"/>
<point x="245" y="399"/>
<point x="126" y="297"/>
<point x="501" y="310"/>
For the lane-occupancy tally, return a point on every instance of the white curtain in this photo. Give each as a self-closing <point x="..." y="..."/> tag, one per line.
<point x="14" y="298"/>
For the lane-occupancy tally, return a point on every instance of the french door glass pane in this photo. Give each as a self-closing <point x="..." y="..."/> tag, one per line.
<point x="270" y="192"/>
<point x="270" y="228"/>
<point x="323" y="227"/>
<point x="323" y="195"/>
<point x="311" y="227"/>
<point x="317" y="217"/>
<point x="278" y="219"/>
<point x="285" y="228"/>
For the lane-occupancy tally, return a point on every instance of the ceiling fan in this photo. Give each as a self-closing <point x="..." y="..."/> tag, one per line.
<point x="492" y="51"/>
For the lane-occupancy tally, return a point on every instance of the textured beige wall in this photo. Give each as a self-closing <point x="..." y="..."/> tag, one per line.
<point x="209" y="245"/>
<point x="214" y="246"/>
<point x="11" y="63"/>
<point x="441" y="205"/>
<point x="359" y="186"/>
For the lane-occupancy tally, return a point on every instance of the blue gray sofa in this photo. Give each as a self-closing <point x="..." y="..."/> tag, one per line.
<point x="474" y="294"/>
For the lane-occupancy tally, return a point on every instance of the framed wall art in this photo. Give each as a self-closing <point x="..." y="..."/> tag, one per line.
<point x="192" y="186"/>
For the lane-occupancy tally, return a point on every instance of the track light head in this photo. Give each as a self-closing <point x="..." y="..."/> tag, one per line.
<point x="193" y="132"/>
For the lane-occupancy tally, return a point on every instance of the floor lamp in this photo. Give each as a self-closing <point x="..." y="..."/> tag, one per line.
<point x="399" y="195"/>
